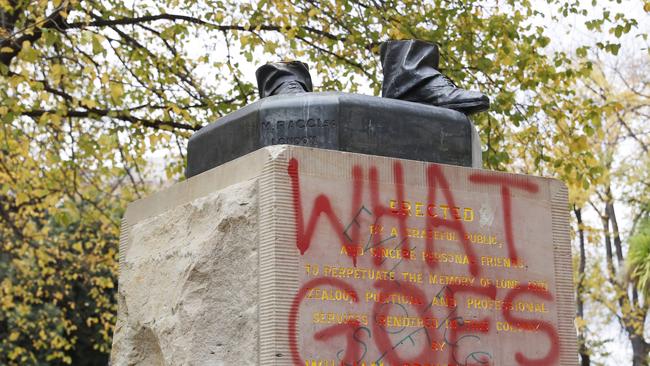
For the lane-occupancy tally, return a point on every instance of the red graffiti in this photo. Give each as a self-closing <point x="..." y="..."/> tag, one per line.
<point x="325" y="333"/>
<point x="379" y="210"/>
<point x="506" y="183"/>
<point x="533" y="325"/>
<point x="353" y="349"/>
<point x="381" y="337"/>
<point x="322" y="205"/>
<point x="436" y="179"/>
<point x="453" y="331"/>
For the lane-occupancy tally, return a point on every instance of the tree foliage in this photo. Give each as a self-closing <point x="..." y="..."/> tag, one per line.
<point x="91" y="90"/>
<point x="639" y="257"/>
<point x="617" y="193"/>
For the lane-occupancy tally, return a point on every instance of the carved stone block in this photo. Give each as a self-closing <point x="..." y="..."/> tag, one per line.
<point x="298" y="256"/>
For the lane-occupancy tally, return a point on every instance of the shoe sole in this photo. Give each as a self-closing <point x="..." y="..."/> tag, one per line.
<point x="467" y="107"/>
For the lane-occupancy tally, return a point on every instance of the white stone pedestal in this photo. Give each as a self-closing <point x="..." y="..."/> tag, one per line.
<point x="300" y="256"/>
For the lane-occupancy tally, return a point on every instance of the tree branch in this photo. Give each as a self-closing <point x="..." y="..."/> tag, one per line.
<point x="121" y="115"/>
<point x="177" y="17"/>
<point x="54" y="20"/>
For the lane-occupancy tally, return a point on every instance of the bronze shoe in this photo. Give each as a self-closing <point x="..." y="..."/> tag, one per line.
<point x="411" y="73"/>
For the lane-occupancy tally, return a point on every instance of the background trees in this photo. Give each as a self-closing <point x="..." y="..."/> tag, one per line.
<point x="618" y="196"/>
<point x="92" y="91"/>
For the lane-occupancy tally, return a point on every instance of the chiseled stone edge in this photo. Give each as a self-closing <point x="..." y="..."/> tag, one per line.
<point x="564" y="291"/>
<point x="125" y="229"/>
<point x="278" y="266"/>
<point x="122" y="311"/>
<point x="256" y="165"/>
<point x="242" y="169"/>
<point x="239" y="170"/>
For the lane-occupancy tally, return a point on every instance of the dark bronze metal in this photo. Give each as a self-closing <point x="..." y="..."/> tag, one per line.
<point x="289" y="77"/>
<point x="411" y="73"/>
<point x="338" y="121"/>
<point x="393" y="126"/>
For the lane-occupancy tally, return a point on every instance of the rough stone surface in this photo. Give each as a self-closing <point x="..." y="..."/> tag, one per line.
<point x="223" y="268"/>
<point x="188" y="284"/>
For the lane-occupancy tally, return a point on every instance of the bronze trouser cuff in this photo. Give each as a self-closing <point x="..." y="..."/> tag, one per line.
<point x="272" y="75"/>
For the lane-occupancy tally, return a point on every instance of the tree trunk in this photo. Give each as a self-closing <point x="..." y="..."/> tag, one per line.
<point x="609" y="253"/>
<point x="585" y="359"/>
<point x="640" y="350"/>
<point x="611" y="213"/>
<point x="632" y="320"/>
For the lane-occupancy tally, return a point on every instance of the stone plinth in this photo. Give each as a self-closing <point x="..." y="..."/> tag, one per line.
<point x="302" y="256"/>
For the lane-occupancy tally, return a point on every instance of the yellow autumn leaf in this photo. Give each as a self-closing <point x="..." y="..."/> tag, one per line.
<point x="90" y="103"/>
<point x="116" y="91"/>
<point x="244" y="40"/>
<point x="16" y="352"/>
<point x="13" y="336"/>
<point x="15" y="80"/>
<point x="56" y="71"/>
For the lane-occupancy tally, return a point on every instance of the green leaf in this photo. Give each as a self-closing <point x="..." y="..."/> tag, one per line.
<point x="117" y="91"/>
<point x="97" y="44"/>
